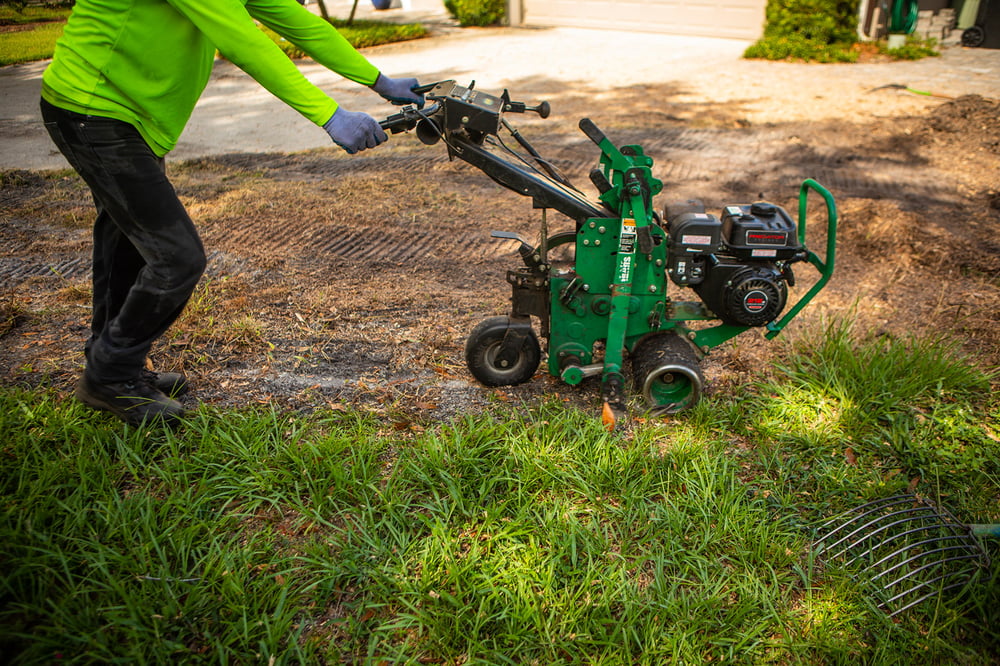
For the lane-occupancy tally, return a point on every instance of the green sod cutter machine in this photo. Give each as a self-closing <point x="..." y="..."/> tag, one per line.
<point x="607" y="309"/>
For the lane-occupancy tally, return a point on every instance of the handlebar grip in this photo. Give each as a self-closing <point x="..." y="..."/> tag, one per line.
<point x="391" y="121"/>
<point x="397" y="122"/>
<point x="588" y="127"/>
<point x="407" y="119"/>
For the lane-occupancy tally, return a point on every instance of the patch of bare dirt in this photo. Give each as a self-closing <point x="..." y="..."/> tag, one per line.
<point x="340" y="281"/>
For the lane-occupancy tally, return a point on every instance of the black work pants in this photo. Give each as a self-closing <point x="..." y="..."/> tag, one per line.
<point x="147" y="254"/>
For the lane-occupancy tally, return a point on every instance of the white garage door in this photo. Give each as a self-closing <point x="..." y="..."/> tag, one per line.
<point x="743" y="19"/>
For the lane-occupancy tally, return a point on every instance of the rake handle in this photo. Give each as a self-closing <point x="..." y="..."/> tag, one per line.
<point x="986" y="530"/>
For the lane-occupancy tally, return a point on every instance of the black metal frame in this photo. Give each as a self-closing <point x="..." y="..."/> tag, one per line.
<point x="463" y="118"/>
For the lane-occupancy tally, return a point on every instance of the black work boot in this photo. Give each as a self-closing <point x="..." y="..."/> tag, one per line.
<point x="170" y="383"/>
<point x="135" y="402"/>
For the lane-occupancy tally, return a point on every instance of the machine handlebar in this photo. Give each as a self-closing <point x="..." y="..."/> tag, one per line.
<point x="460" y="107"/>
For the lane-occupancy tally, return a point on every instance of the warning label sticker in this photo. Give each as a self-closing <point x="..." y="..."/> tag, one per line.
<point x="626" y="244"/>
<point x="692" y="239"/>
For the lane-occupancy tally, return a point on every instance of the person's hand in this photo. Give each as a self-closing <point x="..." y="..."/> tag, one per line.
<point x="398" y="91"/>
<point x="354" y="131"/>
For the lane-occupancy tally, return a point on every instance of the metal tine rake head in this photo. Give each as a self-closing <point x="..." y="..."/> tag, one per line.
<point x="909" y="549"/>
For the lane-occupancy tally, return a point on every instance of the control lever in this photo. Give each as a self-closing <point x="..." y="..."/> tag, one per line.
<point x="615" y="158"/>
<point x="542" y="109"/>
<point x="591" y="130"/>
<point x="555" y="175"/>
<point x="600" y="181"/>
<point x="427" y="87"/>
<point x="527" y="252"/>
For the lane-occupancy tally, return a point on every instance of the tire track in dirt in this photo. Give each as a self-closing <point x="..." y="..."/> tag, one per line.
<point x="745" y="162"/>
<point x="369" y="245"/>
<point x="14" y="269"/>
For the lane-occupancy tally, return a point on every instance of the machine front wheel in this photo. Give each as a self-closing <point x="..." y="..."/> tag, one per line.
<point x="667" y="373"/>
<point x="496" y="356"/>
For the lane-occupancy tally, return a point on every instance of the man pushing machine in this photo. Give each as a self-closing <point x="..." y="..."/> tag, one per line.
<point x="123" y="82"/>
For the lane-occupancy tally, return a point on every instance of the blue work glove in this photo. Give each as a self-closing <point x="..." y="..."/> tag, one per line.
<point x="398" y="91"/>
<point x="354" y="131"/>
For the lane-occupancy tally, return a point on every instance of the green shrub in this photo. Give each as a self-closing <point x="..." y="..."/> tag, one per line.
<point x="812" y="30"/>
<point x="821" y="21"/>
<point x="797" y="48"/>
<point x="477" y="12"/>
<point x="360" y="34"/>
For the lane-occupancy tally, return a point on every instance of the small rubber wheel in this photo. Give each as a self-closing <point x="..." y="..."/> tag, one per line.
<point x="484" y="359"/>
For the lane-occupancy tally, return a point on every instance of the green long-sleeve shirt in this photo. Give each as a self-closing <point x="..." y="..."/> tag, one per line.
<point x="146" y="62"/>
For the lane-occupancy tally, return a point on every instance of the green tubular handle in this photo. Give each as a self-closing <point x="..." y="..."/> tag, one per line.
<point x="614" y="157"/>
<point x="825" y="265"/>
<point x="987" y="530"/>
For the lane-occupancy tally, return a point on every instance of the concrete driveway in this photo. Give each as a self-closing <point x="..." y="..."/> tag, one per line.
<point x="236" y="115"/>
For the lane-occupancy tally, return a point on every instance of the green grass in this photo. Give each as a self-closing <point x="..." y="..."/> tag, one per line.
<point x="915" y="48"/>
<point x="45" y="25"/>
<point x="38" y="43"/>
<point x="11" y="15"/>
<point x="360" y="33"/>
<point x="531" y="536"/>
<point x="35" y="38"/>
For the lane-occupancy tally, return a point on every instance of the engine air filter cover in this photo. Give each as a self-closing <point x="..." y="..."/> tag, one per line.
<point x="761" y="231"/>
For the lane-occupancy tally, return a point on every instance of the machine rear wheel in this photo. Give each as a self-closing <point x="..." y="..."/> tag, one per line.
<point x="666" y="372"/>
<point x="486" y="358"/>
